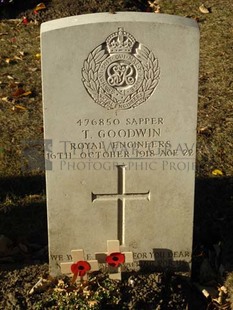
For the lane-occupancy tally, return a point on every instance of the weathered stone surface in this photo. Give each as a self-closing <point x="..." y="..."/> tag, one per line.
<point x="120" y="107"/>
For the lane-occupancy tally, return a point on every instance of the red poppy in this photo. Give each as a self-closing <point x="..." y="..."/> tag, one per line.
<point x="80" y="268"/>
<point x="25" y="20"/>
<point x="115" y="259"/>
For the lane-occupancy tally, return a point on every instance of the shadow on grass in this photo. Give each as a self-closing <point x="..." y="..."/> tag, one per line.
<point x="23" y="209"/>
<point x="213" y="220"/>
<point x="21" y="186"/>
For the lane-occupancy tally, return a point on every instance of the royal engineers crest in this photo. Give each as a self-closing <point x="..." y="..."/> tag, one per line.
<point x="120" y="73"/>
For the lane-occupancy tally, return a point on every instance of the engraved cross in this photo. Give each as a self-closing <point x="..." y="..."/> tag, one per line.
<point x="121" y="196"/>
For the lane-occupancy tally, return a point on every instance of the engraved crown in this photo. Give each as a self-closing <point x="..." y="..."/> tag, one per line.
<point x="120" y="42"/>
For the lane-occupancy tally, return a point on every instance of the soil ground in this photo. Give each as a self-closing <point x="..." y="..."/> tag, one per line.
<point x="23" y="256"/>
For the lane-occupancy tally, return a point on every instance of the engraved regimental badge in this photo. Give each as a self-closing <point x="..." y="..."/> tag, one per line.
<point x="120" y="73"/>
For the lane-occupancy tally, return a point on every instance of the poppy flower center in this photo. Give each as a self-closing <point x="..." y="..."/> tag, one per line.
<point x="115" y="259"/>
<point x="80" y="268"/>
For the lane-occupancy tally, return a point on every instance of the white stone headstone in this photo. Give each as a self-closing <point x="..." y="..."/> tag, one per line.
<point x="120" y="107"/>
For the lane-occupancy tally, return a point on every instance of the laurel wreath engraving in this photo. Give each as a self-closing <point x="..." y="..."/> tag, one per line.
<point x="151" y="71"/>
<point x="98" y="55"/>
<point x="90" y="71"/>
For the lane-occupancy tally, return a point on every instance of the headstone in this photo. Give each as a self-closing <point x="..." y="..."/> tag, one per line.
<point x="120" y="108"/>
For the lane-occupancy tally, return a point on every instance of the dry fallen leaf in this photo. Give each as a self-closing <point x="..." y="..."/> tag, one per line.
<point x="18" y="58"/>
<point x="39" y="7"/>
<point x="18" y="92"/>
<point x="18" y="107"/>
<point x="7" y="60"/>
<point x="222" y="298"/>
<point x="154" y="6"/>
<point x="204" y="9"/>
<point x="34" y="197"/>
<point x="27" y="93"/>
<point x="40" y="286"/>
<point x="204" y="130"/>
<point x="92" y="303"/>
<point x="217" y="172"/>
<point x="33" y="69"/>
<point x="157" y="10"/>
<point x="6" y="99"/>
